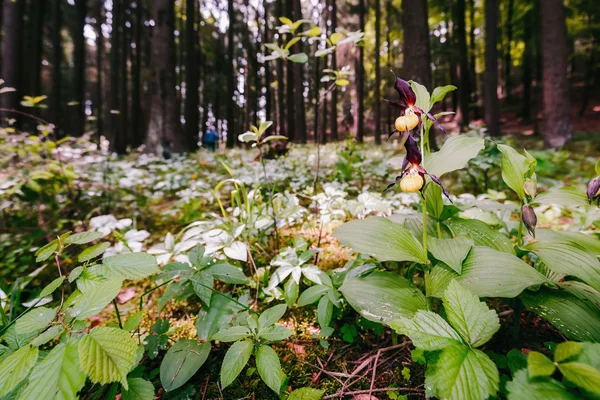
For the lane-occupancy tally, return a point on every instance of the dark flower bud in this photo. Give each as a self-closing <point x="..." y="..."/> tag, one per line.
<point x="529" y="218"/>
<point x="593" y="189"/>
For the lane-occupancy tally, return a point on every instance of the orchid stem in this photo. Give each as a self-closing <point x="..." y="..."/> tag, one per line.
<point x="424" y="206"/>
<point x="520" y="231"/>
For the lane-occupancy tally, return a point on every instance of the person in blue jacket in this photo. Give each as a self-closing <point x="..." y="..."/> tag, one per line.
<point x="210" y="140"/>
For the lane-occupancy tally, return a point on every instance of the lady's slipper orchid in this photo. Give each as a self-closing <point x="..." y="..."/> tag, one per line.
<point x="593" y="190"/>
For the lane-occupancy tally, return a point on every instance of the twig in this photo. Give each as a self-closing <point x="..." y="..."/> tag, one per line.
<point x="205" y="388"/>
<point x="374" y="372"/>
<point x="413" y="390"/>
<point x="264" y="166"/>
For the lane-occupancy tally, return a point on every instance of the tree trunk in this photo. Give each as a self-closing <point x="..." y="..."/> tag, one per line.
<point x="267" y="74"/>
<point x="388" y="29"/>
<point x="137" y="114"/>
<point x="281" y="117"/>
<point x="527" y="65"/>
<point x="11" y="56"/>
<point x="57" y="55"/>
<point x="417" y="58"/>
<point x="125" y="45"/>
<point x="99" y="70"/>
<point x="334" y="94"/>
<point x="117" y="139"/>
<point x="557" y="121"/>
<point x="507" y="54"/>
<point x="463" y="64"/>
<point x="230" y="77"/>
<point x="360" y="80"/>
<point x="289" y="85"/>
<point x="35" y="48"/>
<point x="492" y="105"/>
<point x="299" y="107"/>
<point x="79" y="78"/>
<point x="192" y="116"/>
<point x="378" y="71"/>
<point x="472" y="58"/>
<point x="164" y="126"/>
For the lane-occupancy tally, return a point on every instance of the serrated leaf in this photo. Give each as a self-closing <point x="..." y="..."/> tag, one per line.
<point x="46" y="252"/>
<point x="539" y="365"/>
<point x="383" y="297"/>
<point x="83" y="237"/>
<point x="521" y="388"/>
<point x="451" y="252"/>
<point x="269" y="368"/>
<point x="471" y="318"/>
<point x="95" y="298"/>
<point x="133" y="321"/>
<point x="232" y="334"/>
<point x="271" y="315"/>
<point x="454" y="154"/>
<point x="181" y="362"/>
<point x="34" y="320"/>
<point x="139" y="389"/>
<point x="568" y="259"/>
<point x="107" y="355"/>
<point x="16" y="367"/>
<point x="52" y="286"/>
<point x="482" y="234"/>
<point x="427" y="330"/>
<point x="93" y="252"/>
<point x="582" y="375"/>
<point x="311" y="295"/>
<point x="566" y="350"/>
<point x="306" y="393"/>
<point x="58" y="376"/>
<point x="462" y="374"/>
<point x="382" y="239"/>
<point x="324" y="311"/>
<point x="129" y="266"/>
<point x="50" y="334"/>
<point x="235" y="360"/>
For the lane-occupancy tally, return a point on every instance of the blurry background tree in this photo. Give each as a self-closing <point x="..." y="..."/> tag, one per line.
<point x="161" y="72"/>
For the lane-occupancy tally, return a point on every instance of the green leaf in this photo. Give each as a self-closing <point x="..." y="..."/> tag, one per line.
<point x="463" y="374"/>
<point x="181" y="362"/>
<point x="107" y="355"/>
<point x="129" y="266"/>
<point x="269" y="368"/>
<point x="451" y="252"/>
<point x="50" y="334"/>
<point x="202" y="282"/>
<point x="95" y="298"/>
<point x="585" y="242"/>
<point x="427" y="330"/>
<point x="274" y="333"/>
<point x="133" y="322"/>
<point x="582" y="375"/>
<point x="290" y="292"/>
<point x="471" y="318"/>
<point x="83" y="237"/>
<point x="482" y="234"/>
<point x="335" y="38"/>
<point x="382" y="239"/>
<point x="52" y="286"/>
<point x="286" y="21"/>
<point x="566" y="350"/>
<point x="34" y="320"/>
<point x="93" y="252"/>
<point x="312" y="294"/>
<point x="16" y="367"/>
<point x="565" y="196"/>
<point x="139" y="389"/>
<point x="292" y="42"/>
<point x="274" y="137"/>
<point x="324" y="311"/>
<point x="597" y="167"/>
<point x="232" y="334"/>
<point x="383" y="297"/>
<point x="212" y="319"/>
<point x="576" y="318"/>
<point x="434" y="200"/>
<point x="300" y="58"/>
<point x="439" y="93"/>
<point x="568" y="259"/>
<point x="422" y="96"/>
<point x="487" y="273"/>
<point x="521" y="388"/>
<point x="248" y="137"/>
<point x="454" y="154"/>
<point x="515" y="168"/>
<point x="271" y="315"/>
<point x="235" y="360"/>
<point x="539" y="365"/>
<point x="306" y="393"/>
<point x="264" y="126"/>
<point x="58" y="376"/>
<point x="46" y="252"/>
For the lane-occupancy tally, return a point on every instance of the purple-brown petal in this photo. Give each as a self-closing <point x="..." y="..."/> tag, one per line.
<point x="593" y="189"/>
<point x="437" y="180"/>
<point x="407" y="95"/>
<point x="413" y="154"/>
<point x="529" y="218"/>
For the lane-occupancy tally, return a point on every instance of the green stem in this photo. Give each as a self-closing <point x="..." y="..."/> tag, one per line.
<point x="227" y="297"/>
<point x="424" y="206"/>
<point x="117" y="312"/>
<point x="520" y="232"/>
<point x="439" y="230"/>
<point x="12" y="321"/>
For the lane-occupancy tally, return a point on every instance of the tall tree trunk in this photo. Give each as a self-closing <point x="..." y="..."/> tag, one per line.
<point x="125" y="45"/>
<point x="463" y="64"/>
<point x="527" y="65"/>
<point x="79" y="78"/>
<point x="99" y="70"/>
<point x="299" y="107"/>
<point x="57" y="56"/>
<point x="191" y="113"/>
<point x="558" y="129"/>
<point x="117" y="138"/>
<point x="230" y="76"/>
<point x="472" y="59"/>
<point x="11" y="56"/>
<point x="388" y="38"/>
<point x="417" y="57"/>
<point x="164" y="129"/>
<point x="492" y="105"/>
<point x="378" y="71"/>
<point x="267" y="72"/>
<point x="281" y="116"/>
<point x="507" y="53"/>
<point x="35" y="47"/>
<point x="360" y="79"/>
<point x="289" y="85"/>
<point x="137" y="114"/>
<point x="334" y="94"/>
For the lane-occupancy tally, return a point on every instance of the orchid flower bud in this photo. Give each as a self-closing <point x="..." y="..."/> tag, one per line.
<point x="593" y="190"/>
<point x="529" y="218"/>
<point x="529" y="188"/>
